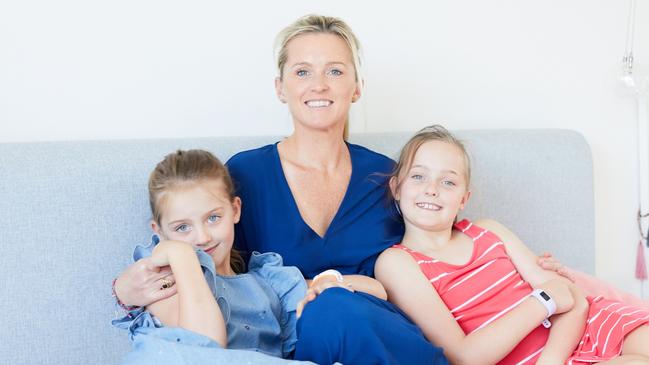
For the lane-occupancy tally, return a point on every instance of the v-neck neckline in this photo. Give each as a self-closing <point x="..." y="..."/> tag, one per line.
<point x="287" y="187"/>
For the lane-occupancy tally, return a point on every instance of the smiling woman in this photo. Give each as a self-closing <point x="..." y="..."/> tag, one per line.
<point x="320" y="203"/>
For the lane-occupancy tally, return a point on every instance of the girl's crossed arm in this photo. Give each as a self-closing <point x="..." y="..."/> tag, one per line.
<point x="568" y="327"/>
<point x="410" y="290"/>
<point x="194" y="307"/>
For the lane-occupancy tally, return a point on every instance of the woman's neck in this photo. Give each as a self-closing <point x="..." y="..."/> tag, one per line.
<point x="314" y="150"/>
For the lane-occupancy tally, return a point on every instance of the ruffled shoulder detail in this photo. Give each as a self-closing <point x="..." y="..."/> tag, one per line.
<point x="141" y="251"/>
<point x="289" y="285"/>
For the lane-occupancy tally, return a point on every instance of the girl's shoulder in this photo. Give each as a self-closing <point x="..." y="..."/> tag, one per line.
<point x="481" y="227"/>
<point x="269" y="268"/>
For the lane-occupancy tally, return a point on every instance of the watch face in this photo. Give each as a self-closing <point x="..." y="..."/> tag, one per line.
<point x="544" y="295"/>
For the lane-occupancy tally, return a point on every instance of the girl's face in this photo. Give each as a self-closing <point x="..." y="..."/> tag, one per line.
<point x="434" y="188"/>
<point x="201" y="214"/>
<point x="319" y="82"/>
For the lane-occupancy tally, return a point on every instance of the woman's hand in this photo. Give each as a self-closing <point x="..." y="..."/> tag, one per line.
<point x="144" y="282"/>
<point x="317" y="287"/>
<point x="549" y="262"/>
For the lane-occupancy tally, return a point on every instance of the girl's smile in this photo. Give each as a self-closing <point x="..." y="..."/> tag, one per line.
<point x="201" y="214"/>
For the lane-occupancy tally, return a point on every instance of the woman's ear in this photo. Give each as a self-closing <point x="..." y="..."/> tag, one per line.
<point x="357" y="91"/>
<point x="279" y="90"/>
<point x="236" y="207"/>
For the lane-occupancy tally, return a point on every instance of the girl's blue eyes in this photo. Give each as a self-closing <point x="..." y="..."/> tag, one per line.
<point x="182" y="228"/>
<point x="418" y="177"/>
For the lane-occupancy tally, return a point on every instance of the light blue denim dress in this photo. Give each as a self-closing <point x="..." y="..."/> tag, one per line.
<point x="259" y="308"/>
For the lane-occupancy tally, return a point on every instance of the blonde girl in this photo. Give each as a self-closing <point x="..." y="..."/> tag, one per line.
<point x="476" y="290"/>
<point x="217" y="305"/>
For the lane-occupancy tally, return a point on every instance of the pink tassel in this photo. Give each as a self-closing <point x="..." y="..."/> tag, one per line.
<point x="640" y="264"/>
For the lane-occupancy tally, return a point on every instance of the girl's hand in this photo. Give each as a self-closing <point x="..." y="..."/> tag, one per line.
<point x="560" y="293"/>
<point x="317" y="287"/>
<point x="548" y="262"/>
<point x="144" y="282"/>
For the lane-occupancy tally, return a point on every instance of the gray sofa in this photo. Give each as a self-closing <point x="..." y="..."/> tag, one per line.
<point x="71" y="212"/>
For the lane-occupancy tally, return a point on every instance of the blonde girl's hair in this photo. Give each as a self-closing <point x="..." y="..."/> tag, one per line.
<point x="182" y="167"/>
<point x="318" y="24"/>
<point x="434" y="132"/>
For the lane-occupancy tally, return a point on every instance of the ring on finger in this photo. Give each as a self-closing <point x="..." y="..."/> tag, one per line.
<point x="166" y="284"/>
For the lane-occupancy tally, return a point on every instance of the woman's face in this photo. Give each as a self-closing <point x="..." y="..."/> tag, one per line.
<point x="319" y="81"/>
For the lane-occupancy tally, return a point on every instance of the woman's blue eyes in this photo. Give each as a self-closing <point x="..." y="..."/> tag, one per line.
<point x="332" y="72"/>
<point x="417" y="177"/>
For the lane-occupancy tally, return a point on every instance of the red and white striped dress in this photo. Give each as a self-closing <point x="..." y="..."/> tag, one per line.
<point x="489" y="285"/>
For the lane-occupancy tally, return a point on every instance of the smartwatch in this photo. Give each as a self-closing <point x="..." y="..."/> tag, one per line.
<point x="547" y="302"/>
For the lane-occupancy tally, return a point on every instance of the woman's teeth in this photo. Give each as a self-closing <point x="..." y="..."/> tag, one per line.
<point x="318" y="103"/>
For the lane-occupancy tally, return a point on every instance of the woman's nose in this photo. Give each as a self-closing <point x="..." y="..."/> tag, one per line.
<point x="320" y="83"/>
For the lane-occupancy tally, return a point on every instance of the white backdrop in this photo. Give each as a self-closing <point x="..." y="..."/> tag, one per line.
<point x="140" y="69"/>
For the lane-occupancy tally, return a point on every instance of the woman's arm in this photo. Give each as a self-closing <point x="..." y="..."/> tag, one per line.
<point x="360" y="283"/>
<point x="194" y="308"/>
<point x="141" y="284"/>
<point x="567" y="328"/>
<point x="410" y="290"/>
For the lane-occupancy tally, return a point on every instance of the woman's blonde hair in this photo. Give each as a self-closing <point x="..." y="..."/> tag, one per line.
<point x="182" y="167"/>
<point x="318" y="24"/>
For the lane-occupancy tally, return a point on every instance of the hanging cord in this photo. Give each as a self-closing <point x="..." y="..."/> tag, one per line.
<point x="643" y="235"/>
<point x="627" y="60"/>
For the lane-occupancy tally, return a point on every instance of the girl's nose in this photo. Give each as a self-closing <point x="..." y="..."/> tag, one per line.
<point x="203" y="236"/>
<point x="431" y="189"/>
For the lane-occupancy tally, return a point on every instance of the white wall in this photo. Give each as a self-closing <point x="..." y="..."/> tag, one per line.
<point x="140" y="69"/>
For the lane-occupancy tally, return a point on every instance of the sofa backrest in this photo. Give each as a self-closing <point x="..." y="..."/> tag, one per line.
<point x="71" y="213"/>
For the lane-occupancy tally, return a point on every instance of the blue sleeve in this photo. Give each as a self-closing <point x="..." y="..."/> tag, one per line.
<point x="236" y="173"/>
<point x="289" y="285"/>
<point x="135" y="316"/>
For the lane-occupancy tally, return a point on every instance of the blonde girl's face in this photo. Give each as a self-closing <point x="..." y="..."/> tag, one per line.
<point x="319" y="81"/>
<point x="434" y="189"/>
<point x="203" y="215"/>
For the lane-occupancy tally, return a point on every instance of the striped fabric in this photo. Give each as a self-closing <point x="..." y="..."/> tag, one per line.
<point x="488" y="286"/>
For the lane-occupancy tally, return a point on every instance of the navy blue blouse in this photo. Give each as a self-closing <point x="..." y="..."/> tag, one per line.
<point x="363" y="227"/>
